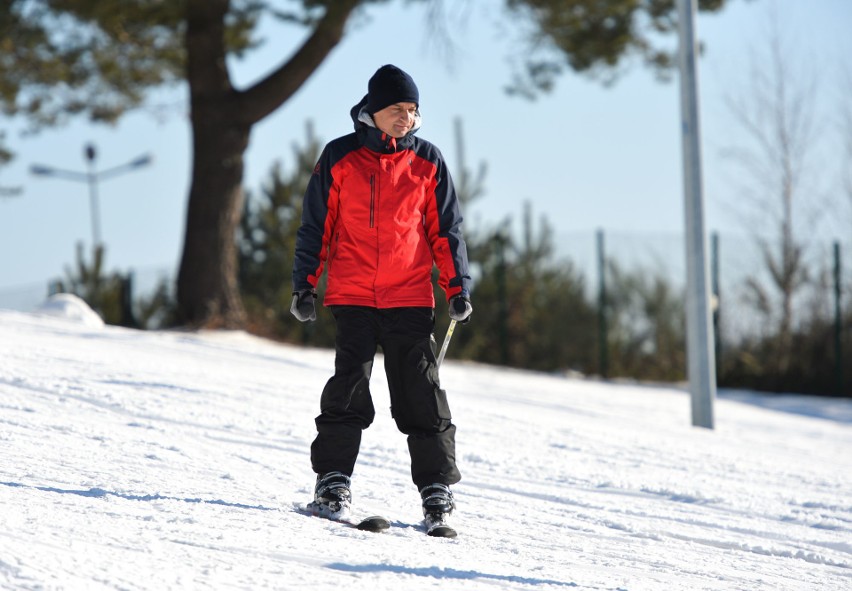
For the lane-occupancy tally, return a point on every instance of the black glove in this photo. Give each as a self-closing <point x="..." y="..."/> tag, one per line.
<point x="303" y="306"/>
<point x="460" y="309"/>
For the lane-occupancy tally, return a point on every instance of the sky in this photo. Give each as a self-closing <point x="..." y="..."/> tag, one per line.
<point x="169" y="460"/>
<point x="585" y="156"/>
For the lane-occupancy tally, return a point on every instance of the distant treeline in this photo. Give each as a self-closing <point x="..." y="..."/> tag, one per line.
<point x="531" y="311"/>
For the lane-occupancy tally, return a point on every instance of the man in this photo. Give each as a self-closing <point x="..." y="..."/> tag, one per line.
<point x="379" y="211"/>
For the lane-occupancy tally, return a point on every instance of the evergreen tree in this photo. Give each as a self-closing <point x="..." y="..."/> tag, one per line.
<point x="108" y="295"/>
<point x="594" y="37"/>
<point x="267" y="242"/>
<point x="647" y="335"/>
<point x="158" y="309"/>
<point x="530" y="311"/>
<point x="101" y="57"/>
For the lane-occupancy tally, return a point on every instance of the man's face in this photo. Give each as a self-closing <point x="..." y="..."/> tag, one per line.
<point x="396" y="120"/>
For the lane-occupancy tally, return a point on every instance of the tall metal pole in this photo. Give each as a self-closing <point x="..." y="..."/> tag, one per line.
<point x="700" y="354"/>
<point x="603" y="339"/>
<point x="838" y="323"/>
<point x="91" y="156"/>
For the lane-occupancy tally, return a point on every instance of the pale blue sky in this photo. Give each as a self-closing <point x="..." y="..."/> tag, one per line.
<point x="586" y="156"/>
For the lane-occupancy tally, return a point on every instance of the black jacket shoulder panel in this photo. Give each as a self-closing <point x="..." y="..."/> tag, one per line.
<point x="337" y="149"/>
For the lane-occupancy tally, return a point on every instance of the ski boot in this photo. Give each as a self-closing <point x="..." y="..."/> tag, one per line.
<point x="438" y="505"/>
<point x="332" y="497"/>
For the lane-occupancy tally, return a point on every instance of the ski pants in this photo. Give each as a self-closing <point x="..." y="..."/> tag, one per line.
<point x="418" y="404"/>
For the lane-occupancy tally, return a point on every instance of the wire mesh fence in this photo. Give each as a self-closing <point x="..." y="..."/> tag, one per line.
<point x="737" y="267"/>
<point x="748" y="310"/>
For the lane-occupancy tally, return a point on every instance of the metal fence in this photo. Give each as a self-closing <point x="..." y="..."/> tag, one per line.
<point x="734" y="261"/>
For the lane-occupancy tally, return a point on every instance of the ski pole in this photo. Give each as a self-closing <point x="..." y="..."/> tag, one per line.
<point x="446" y="342"/>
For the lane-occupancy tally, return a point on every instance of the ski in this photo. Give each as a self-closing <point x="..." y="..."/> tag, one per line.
<point x="373" y="523"/>
<point x="437" y="527"/>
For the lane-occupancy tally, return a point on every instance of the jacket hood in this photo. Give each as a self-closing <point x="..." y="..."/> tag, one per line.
<point x="372" y="135"/>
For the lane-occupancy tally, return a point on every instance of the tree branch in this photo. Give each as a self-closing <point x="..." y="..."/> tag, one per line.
<point x="270" y="93"/>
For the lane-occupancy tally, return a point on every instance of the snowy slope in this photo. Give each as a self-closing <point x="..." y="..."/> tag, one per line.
<point x="167" y="460"/>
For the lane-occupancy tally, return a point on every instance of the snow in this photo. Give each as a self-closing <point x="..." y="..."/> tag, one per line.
<point x="172" y="460"/>
<point x="70" y="307"/>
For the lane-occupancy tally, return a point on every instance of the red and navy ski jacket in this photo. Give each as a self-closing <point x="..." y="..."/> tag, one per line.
<point x="379" y="212"/>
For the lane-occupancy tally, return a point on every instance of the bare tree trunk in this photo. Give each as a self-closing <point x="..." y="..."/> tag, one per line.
<point x="207" y="283"/>
<point x="208" y="294"/>
<point x="222" y="119"/>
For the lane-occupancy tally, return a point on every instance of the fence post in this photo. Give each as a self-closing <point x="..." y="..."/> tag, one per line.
<point x="128" y="319"/>
<point x="716" y="304"/>
<point x="603" y="337"/>
<point x="503" y="297"/>
<point x="838" y="323"/>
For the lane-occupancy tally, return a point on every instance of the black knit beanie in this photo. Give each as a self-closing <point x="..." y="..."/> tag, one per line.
<point x="388" y="86"/>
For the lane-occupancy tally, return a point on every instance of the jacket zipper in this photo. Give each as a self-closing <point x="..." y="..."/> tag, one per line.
<point x="372" y="200"/>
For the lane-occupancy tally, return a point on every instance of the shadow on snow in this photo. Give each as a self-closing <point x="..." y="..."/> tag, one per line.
<point x="99" y="493"/>
<point x="443" y="573"/>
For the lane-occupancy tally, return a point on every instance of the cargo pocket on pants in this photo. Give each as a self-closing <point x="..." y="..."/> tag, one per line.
<point x="429" y="411"/>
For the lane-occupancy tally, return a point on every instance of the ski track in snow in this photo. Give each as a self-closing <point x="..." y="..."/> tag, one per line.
<point x="169" y="460"/>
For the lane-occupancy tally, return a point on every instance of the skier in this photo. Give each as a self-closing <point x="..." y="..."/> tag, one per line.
<point x="379" y="211"/>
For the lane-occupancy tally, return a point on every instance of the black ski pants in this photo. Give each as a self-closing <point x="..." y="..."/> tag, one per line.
<point x="418" y="405"/>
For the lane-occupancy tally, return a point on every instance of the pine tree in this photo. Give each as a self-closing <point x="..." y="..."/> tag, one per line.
<point x="267" y="241"/>
<point x="108" y="295"/>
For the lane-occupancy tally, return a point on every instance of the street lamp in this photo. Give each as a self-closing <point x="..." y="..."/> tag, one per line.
<point x="92" y="177"/>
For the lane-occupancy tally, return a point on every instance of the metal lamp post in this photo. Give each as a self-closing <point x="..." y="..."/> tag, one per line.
<point x="92" y="178"/>
<point x="699" y="349"/>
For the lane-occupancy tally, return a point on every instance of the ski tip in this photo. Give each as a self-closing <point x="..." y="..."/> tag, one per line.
<point x="442" y="531"/>
<point x="375" y="523"/>
<point x="437" y="527"/>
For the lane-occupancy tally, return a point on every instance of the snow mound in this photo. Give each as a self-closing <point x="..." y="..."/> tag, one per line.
<point x="71" y="307"/>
